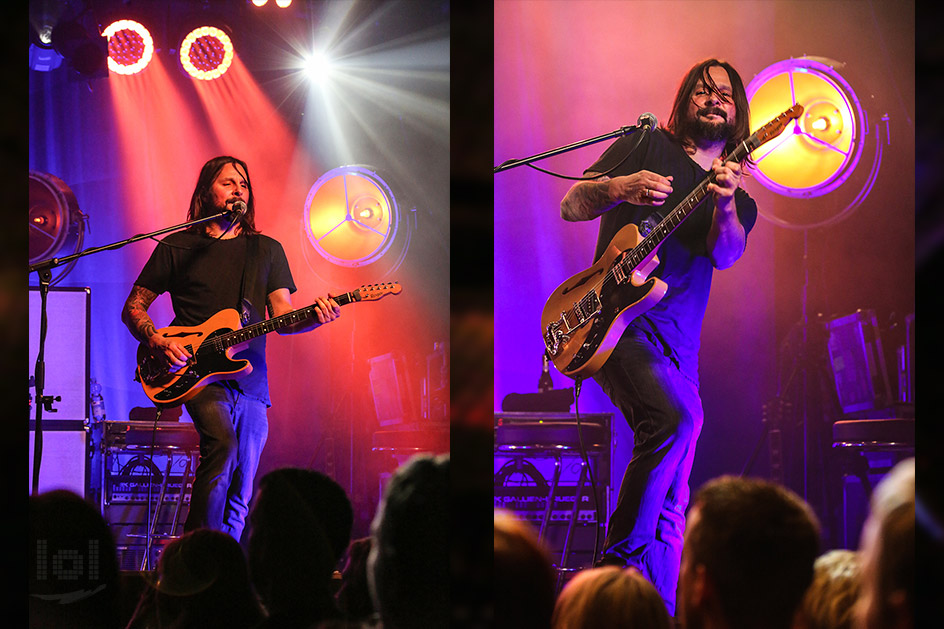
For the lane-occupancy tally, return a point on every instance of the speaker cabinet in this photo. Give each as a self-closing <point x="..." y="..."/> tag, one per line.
<point x="66" y="350"/>
<point x="539" y="475"/>
<point x="858" y="362"/>
<point x="64" y="462"/>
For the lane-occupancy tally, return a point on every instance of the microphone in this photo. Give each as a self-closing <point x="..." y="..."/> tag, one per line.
<point x="238" y="210"/>
<point x="647" y="122"/>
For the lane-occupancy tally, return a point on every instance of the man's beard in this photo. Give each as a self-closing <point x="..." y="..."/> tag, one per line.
<point x="701" y="131"/>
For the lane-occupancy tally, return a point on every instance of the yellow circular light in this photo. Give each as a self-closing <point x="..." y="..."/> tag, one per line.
<point x="816" y="153"/>
<point x="130" y="46"/>
<point x="206" y="53"/>
<point x="350" y="216"/>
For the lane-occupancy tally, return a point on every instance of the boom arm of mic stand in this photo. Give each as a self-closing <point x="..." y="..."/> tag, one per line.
<point x="512" y="163"/>
<point x="44" y="270"/>
<point x="52" y="263"/>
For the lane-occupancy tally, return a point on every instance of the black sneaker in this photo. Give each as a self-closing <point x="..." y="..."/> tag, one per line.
<point x="610" y="560"/>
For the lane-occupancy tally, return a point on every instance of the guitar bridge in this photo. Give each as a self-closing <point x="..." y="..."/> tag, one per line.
<point x="558" y="332"/>
<point x="554" y="337"/>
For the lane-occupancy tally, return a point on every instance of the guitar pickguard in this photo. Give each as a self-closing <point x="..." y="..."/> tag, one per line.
<point x="614" y="298"/>
<point x="207" y="361"/>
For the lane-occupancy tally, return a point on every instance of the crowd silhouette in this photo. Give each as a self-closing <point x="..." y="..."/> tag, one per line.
<point x="752" y="557"/>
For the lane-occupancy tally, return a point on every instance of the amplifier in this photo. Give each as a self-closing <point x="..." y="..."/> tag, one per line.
<point x="857" y="362"/>
<point x="138" y="454"/>
<point x="120" y="435"/>
<point x="66" y="350"/>
<point x="134" y="477"/>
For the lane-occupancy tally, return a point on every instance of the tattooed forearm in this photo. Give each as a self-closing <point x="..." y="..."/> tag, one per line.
<point x="135" y="316"/>
<point x="586" y="200"/>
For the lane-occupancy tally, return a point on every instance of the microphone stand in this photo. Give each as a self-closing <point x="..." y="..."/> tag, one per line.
<point x="44" y="271"/>
<point x="512" y="163"/>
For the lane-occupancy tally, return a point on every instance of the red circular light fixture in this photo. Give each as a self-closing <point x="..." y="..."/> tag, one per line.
<point x="206" y="53"/>
<point x="130" y="47"/>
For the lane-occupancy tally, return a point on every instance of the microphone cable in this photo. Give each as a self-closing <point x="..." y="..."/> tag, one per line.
<point x="585" y="457"/>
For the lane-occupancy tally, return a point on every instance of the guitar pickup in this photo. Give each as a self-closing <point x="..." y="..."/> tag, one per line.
<point x="587" y="308"/>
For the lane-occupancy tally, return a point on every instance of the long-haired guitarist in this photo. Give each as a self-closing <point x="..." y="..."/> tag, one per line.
<point x="652" y="374"/>
<point x="222" y="264"/>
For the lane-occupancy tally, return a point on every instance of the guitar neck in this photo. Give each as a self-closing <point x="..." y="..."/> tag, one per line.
<point x="683" y="210"/>
<point x="249" y="332"/>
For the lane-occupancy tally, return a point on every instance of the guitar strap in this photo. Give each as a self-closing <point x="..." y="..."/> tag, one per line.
<point x="247" y="286"/>
<point x="649" y="223"/>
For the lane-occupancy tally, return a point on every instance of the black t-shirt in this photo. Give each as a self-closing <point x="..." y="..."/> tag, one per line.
<point x="683" y="256"/>
<point x="205" y="275"/>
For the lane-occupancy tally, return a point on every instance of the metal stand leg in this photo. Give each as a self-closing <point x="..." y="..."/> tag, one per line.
<point x="180" y="497"/>
<point x="565" y="555"/>
<point x="551" y="496"/>
<point x="145" y="561"/>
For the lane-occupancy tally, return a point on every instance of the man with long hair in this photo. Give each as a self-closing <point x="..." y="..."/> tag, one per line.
<point x="219" y="264"/>
<point x="652" y="374"/>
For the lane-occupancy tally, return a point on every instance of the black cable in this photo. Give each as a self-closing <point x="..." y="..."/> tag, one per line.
<point x="593" y="487"/>
<point x="585" y="178"/>
<point x="147" y="524"/>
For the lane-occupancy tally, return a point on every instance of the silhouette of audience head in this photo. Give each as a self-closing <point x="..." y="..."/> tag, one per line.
<point x="408" y="565"/>
<point x="300" y="525"/>
<point x="73" y="564"/>
<point x="888" y="553"/>
<point x="620" y="598"/>
<point x="354" y="596"/>
<point x="202" y="581"/>
<point x="748" y="555"/>
<point x="829" y="601"/>
<point x="524" y="576"/>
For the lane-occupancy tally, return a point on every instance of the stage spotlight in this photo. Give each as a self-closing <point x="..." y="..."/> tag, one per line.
<point x="283" y="4"/>
<point x="206" y="53"/>
<point x="819" y="152"/>
<point x="130" y="47"/>
<point x="86" y="54"/>
<point x="55" y="222"/>
<point x="318" y="67"/>
<point x="350" y="216"/>
<point x="259" y="3"/>
<point x="42" y="56"/>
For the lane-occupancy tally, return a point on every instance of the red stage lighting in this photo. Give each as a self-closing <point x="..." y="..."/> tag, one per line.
<point x="206" y="53"/>
<point x="130" y="47"/>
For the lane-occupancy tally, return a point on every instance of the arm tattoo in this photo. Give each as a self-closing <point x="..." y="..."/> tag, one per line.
<point x="588" y="200"/>
<point x="134" y="314"/>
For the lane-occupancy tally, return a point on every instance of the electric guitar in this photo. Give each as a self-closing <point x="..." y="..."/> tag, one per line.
<point x="585" y="316"/>
<point x="213" y="343"/>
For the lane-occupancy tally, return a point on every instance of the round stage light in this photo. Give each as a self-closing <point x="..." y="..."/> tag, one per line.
<point x="351" y="216"/>
<point x="130" y="46"/>
<point x="56" y="224"/>
<point x="206" y="53"/>
<point x="818" y="152"/>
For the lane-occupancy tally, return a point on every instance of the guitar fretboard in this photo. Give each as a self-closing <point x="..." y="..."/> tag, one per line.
<point x="242" y="335"/>
<point x="682" y="211"/>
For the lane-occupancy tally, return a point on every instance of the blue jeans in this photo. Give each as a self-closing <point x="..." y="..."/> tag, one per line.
<point x="663" y="408"/>
<point x="233" y="430"/>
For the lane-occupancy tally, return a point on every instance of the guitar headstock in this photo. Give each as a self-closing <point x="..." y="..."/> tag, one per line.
<point x="372" y="292"/>
<point x="776" y="126"/>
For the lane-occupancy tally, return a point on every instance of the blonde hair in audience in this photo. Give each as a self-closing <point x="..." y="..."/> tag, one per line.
<point x="831" y="597"/>
<point x="610" y="597"/>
